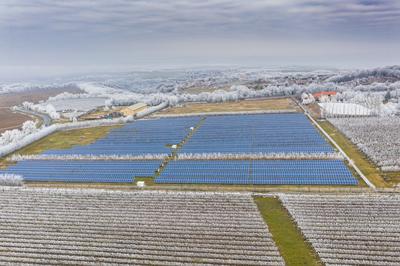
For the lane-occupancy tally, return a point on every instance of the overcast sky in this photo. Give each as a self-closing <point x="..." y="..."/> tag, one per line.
<point x="52" y="36"/>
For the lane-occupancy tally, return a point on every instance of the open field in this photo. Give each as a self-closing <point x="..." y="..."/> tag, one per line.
<point x="9" y="119"/>
<point x="360" y="159"/>
<point x="292" y="246"/>
<point x="240" y="106"/>
<point x="67" y="139"/>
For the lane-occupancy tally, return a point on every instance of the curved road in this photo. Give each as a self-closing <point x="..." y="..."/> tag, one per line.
<point x="44" y="117"/>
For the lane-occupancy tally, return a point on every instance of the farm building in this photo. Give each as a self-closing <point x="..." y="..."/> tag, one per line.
<point x="133" y="109"/>
<point x="320" y="96"/>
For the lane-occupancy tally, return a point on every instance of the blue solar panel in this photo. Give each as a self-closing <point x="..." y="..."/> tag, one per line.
<point x="139" y="137"/>
<point x="267" y="133"/>
<point x="84" y="171"/>
<point x="258" y="172"/>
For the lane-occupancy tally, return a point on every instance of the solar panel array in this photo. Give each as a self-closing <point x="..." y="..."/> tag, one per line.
<point x="84" y="171"/>
<point x="140" y="137"/>
<point x="267" y="133"/>
<point x="257" y="172"/>
<point x="238" y="134"/>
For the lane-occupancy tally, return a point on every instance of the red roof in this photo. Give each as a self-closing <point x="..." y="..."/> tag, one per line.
<point x="327" y="93"/>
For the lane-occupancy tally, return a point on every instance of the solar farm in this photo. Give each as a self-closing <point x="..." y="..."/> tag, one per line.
<point x="156" y="144"/>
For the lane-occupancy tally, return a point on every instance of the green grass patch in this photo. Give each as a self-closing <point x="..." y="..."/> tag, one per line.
<point x="292" y="246"/>
<point x="370" y="170"/>
<point x="63" y="140"/>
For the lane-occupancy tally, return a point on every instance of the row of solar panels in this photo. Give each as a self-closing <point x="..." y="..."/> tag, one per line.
<point x="190" y="172"/>
<point x="277" y="172"/>
<point x="140" y="137"/>
<point x="227" y="134"/>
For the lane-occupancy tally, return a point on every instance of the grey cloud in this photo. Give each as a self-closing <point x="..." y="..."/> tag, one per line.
<point x="155" y="15"/>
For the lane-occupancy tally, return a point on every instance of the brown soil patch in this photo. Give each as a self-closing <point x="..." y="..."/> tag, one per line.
<point x="239" y="106"/>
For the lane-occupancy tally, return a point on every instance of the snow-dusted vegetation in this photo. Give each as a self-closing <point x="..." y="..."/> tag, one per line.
<point x="16" y="135"/>
<point x="11" y="180"/>
<point x="374" y="91"/>
<point x="77" y="157"/>
<point x="260" y="156"/>
<point x="378" y="137"/>
<point x="349" y="229"/>
<point x="377" y="89"/>
<point x="45" y="108"/>
<point x="183" y="156"/>
<point x="93" y="227"/>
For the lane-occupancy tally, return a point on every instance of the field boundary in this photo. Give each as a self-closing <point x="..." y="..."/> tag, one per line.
<point x="352" y="164"/>
<point x="291" y="243"/>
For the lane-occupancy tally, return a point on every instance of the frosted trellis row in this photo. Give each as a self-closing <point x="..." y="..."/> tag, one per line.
<point x="349" y="229"/>
<point x="92" y="227"/>
<point x="378" y="137"/>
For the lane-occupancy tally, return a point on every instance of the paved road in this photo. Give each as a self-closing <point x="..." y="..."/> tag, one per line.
<point x="44" y="117"/>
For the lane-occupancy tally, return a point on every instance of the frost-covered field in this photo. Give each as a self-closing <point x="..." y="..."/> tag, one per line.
<point x="88" y="227"/>
<point x="349" y="229"/>
<point x="378" y="137"/>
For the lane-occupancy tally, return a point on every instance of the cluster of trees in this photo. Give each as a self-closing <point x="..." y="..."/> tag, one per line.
<point x="391" y="71"/>
<point x="42" y="108"/>
<point x="15" y="135"/>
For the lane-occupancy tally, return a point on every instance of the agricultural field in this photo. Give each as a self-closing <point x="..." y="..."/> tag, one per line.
<point x="378" y="137"/>
<point x="94" y="227"/>
<point x="251" y="149"/>
<point x="275" y="104"/>
<point x="356" y="229"/>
